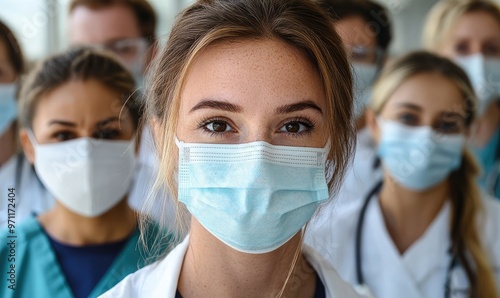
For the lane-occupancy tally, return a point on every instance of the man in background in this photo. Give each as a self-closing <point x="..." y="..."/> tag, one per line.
<point x="126" y="28"/>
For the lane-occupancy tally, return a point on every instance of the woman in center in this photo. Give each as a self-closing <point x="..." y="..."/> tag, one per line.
<point x="250" y="103"/>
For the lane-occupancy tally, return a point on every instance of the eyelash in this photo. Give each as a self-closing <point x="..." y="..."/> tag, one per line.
<point x="310" y="125"/>
<point x="204" y="122"/>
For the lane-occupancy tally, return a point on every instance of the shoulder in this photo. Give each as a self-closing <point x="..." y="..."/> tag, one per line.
<point x="333" y="222"/>
<point x="155" y="280"/>
<point x="330" y="234"/>
<point x="29" y="229"/>
<point x="334" y="285"/>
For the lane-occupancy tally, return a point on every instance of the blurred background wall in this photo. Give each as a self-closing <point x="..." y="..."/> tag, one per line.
<point x="40" y="25"/>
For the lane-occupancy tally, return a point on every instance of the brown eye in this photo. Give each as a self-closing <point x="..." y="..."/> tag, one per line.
<point x="462" y="49"/>
<point x="297" y="127"/>
<point x="218" y="126"/>
<point x="292" y="127"/>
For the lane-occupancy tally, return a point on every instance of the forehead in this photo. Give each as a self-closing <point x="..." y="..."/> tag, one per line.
<point x="355" y="31"/>
<point x="256" y="74"/>
<point x="478" y="25"/>
<point x="102" y="25"/>
<point x="79" y="101"/>
<point x="430" y="91"/>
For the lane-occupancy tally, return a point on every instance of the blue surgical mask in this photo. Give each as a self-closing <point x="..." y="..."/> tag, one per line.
<point x="253" y="197"/>
<point x="8" y="106"/>
<point x="484" y="74"/>
<point x="364" y="75"/>
<point x="418" y="158"/>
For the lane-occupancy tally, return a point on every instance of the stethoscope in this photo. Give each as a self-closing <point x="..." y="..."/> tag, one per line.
<point x="358" y="243"/>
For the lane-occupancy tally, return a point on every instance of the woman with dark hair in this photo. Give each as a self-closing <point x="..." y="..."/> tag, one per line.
<point x="79" y="128"/>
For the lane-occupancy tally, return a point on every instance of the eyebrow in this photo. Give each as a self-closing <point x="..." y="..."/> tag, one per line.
<point x="229" y="107"/>
<point x="72" y="124"/>
<point x="447" y="114"/>
<point x="409" y="106"/>
<point x="62" y="122"/>
<point x="217" y="105"/>
<point x="299" y="106"/>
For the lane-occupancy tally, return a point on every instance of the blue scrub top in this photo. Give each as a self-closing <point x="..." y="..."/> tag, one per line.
<point x="31" y="268"/>
<point x="91" y="261"/>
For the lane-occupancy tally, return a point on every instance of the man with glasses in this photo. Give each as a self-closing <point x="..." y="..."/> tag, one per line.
<point x="366" y="31"/>
<point x="126" y="28"/>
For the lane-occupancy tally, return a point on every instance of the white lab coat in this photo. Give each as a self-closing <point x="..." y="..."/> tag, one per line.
<point x="31" y="197"/>
<point x="420" y="272"/>
<point x="361" y="175"/>
<point x="160" y="279"/>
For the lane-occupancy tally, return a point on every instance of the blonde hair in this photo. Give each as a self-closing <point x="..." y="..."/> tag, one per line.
<point x="444" y="16"/>
<point x="466" y="198"/>
<point x="299" y="23"/>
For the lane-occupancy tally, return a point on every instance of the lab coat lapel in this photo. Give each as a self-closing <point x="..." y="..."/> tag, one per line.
<point x="385" y="272"/>
<point x="431" y="247"/>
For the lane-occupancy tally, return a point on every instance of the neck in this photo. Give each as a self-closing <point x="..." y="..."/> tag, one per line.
<point x="217" y="270"/>
<point x="8" y="145"/>
<point x="408" y="214"/>
<point x="74" y="229"/>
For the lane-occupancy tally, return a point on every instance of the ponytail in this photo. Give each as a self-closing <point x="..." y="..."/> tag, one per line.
<point x="466" y="243"/>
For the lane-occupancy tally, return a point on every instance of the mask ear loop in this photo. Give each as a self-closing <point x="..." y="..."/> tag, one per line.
<point x="32" y="138"/>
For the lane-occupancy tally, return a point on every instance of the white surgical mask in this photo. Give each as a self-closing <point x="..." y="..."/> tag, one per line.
<point x="253" y="197"/>
<point x="417" y="157"/>
<point x="484" y="74"/>
<point x="8" y="106"/>
<point x="364" y="75"/>
<point x="88" y="176"/>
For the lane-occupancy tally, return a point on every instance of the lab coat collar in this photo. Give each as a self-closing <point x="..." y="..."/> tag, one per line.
<point x="162" y="280"/>
<point x="430" y="245"/>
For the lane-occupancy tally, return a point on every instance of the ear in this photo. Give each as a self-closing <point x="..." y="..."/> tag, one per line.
<point x="29" y="150"/>
<point x="371" y="123"/>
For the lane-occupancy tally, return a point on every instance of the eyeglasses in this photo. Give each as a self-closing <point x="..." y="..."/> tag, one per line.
<point x="365" y="55"/>
<point x="128" y="50"/>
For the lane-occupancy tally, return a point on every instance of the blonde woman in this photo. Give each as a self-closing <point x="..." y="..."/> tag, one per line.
<point x="468" y="32"/>
<point x="425" y="230"/>
<point x="251" y="103"/>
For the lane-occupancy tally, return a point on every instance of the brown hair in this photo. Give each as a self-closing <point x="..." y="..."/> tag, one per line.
<point x="77" y="64"/>
<point x="144" y="12"/>
<point x="299" y="23"/>
<point x="13" y="48"/>
<point x="465" y="195"/>
<point x="445" y="14"/>
<point x="376" y="15"/>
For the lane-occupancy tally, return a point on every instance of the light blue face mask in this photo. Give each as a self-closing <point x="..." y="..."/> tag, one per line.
<point x="364" y="75"/>
<point x="417" y="157"/>
<point x="484" y="74"/>
<point x="253" y="197"/>
<point x="8" y="106"/>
